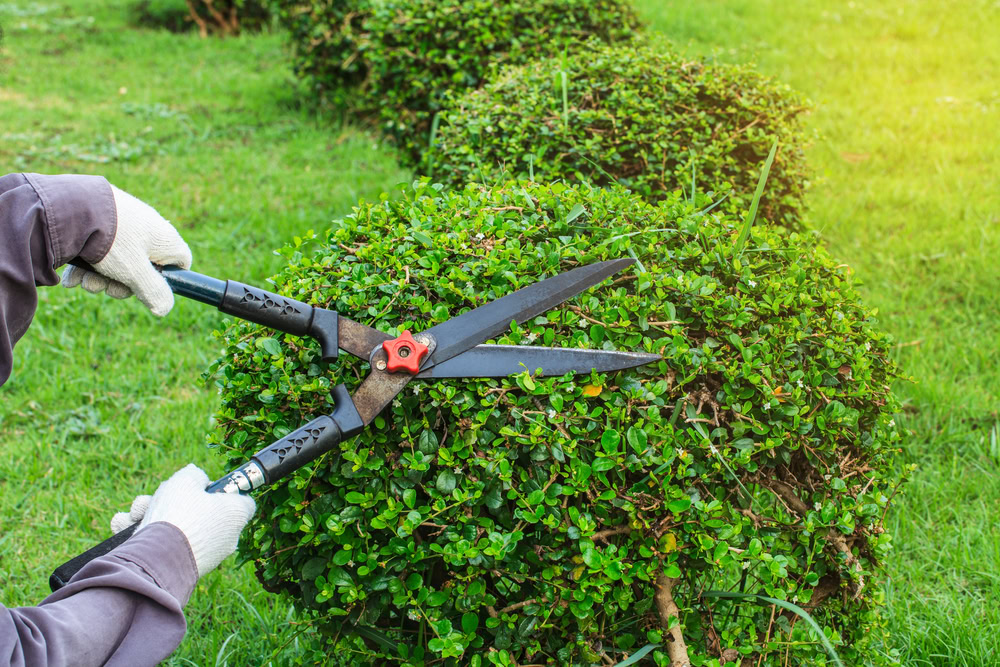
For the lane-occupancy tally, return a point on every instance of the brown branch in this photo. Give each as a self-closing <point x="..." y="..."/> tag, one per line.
<point x="603" y="535"/>
<point x="676" y="648"/>
<point x="202" y="25"/>
<point x="559" y="427"/>
<point x="517" y="605"/>
<point x="580" y="312"/>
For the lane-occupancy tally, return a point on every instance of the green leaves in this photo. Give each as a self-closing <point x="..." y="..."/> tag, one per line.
<point x="269" y="345"/>
<point x="556" y="502"/>
<point x="706" y="125"/>
<point x="409" y="54"/>
<point x="610" y="440"/>
<point x="446" y="482"/>
<point x="784" y="604"/>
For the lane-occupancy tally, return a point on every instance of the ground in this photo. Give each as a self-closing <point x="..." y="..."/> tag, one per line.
<point x="105" y="400"/>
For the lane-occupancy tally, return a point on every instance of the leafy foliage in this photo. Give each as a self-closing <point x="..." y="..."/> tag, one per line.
<point x="532" y="519"/>
<point x="323" y="40"/>
<point x="406" y="54"/>
<point x="222" y="17"/>
<point x="642" y="116"/>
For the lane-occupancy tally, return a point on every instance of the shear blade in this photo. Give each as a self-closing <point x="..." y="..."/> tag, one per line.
<point x="476" y="326"/>
<point x="497" y="361"/>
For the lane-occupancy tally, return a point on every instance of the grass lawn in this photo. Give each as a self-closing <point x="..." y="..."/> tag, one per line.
<point x="105" y="401"/>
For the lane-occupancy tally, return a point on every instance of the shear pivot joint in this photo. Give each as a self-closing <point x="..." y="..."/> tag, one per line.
<point x="404" y="354"/>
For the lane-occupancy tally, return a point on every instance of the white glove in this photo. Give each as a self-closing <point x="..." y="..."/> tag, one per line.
<point x="211" y="522"/>
<point x="123" y="520"/>
<point x="142" y="238"/>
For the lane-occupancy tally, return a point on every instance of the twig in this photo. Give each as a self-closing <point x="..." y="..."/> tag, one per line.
<point x="676" y="648"/>
<point x="580" y="312"/>
<point x="517" y="605"/>
<point x="603" y="535"/>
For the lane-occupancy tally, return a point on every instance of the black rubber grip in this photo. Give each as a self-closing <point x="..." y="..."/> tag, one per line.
<point x="312" y="440"/>
<point x="67" y="570"/>
<point x="267" y="308"/>
<point x="284" y="314"/>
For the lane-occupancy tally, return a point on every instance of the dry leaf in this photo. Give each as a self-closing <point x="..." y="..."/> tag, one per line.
<point x="592" y="390"/>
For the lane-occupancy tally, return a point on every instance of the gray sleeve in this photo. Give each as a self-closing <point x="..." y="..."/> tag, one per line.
<point x="123" y="609"/>
<point x="45" y="221"/>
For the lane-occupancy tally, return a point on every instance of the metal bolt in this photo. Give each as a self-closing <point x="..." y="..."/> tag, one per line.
<point x="380" y="364"/>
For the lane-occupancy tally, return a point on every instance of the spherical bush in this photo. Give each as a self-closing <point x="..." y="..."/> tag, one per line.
<point x="640" y="116"/>
<point x="402" y="56"/>
<point x="576" y="519"/>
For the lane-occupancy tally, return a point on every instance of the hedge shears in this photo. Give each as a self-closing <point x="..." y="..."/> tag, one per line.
<point x="452" y="349"/>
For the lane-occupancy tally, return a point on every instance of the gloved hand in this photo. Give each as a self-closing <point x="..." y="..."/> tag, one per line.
<point x="142" y="238"/>
<point x="211" y="522"/>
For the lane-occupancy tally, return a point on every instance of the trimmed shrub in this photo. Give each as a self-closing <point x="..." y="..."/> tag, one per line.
<point x="219" y="17"/>
<point x="641" y="116"/>
<point x="407" y="54"/>
<point x="322" y="35"/>
<point x="571" y="520"/>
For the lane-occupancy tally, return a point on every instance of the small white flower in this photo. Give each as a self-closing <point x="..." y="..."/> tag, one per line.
<point x="480" y="236"/>
<point x="892" y="423"/>
<point x="745" y="565"/>
<point x="412" y="615"/>
<point x="766" y="406"/>
<point x="817" y="506"/>
<point x="868" y="345"/>
<point x="532" y="337"/>
<point x="551" y="413"/>
<point x="417" y="388"/>
<point x="799" y="383"/>
<point x="456" y="470"/>
<point x="396" y="403"/>
<point x="752" y="283"/>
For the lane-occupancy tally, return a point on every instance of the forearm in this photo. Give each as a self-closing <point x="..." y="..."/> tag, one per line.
<point x="45" y="221"/>
<point x="125" y="608"/>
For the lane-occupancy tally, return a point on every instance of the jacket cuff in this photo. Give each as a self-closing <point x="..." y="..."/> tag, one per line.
<point x="163" y="553"/>
<point x="80" y="216"/>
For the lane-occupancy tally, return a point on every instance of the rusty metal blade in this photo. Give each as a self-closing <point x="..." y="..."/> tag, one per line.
<point x="377" y="391"/>
<point x="358" y="339"/>
<point x="495" y="361"/>
<point x="469" y="329"/>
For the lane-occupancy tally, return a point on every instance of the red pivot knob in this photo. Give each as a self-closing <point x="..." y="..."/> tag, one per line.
<point x="404" y="354"/>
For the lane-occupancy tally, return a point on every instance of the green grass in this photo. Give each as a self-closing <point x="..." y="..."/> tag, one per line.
<point x="105" y="400"/>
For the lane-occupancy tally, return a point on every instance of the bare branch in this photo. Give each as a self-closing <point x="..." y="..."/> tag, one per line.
<point x="676" y="648"/>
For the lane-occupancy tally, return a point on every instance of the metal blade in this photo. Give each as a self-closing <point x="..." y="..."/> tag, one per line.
<point x="377" y="391"/>
<point x="359" y="339"/>
<point x="495" y="361"/>
<point x="469" y="329"/>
